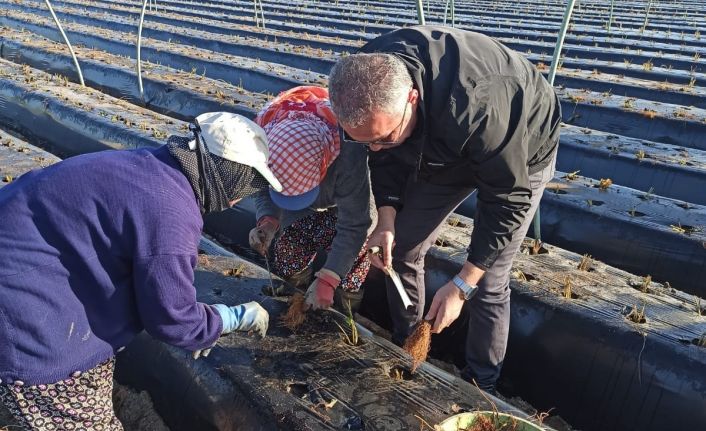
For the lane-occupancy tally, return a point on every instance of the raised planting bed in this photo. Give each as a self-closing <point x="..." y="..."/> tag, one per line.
<point x="308" y="379"/>
<point x="18" y="157"/>
<point x="654" y="121"/>
<point x="582" y="349"/>
<point x="502" y="28"/>
<point x="251" y="74"/>
<point x="635" y="231"/>
<point x="627" y="86"/>
<point x="71" y="119"/>
<point x="660" y="169"/>
<point x="195" y="19"/>
<point x="172" y="92"/>
<point x="577" y="344"/>
<point x="296" y="56"/>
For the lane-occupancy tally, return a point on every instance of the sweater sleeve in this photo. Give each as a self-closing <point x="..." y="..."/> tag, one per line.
<point x="499" y="156"/>
<point x="352" y="195"/>
<point x="166" y="301"/>
<point x="265" y="207"/>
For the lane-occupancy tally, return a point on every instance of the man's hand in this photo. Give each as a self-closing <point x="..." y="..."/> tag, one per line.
<point x="261" y="236"/>
<point x="319" y="295"/>
<point x="384" y="237"/>
<point x="448" y="301"/>
<point x="445" y="307"/>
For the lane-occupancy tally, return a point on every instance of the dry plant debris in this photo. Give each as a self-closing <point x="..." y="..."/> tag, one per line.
<point x="636" y="315"/>
<point x="237" y="271"/>
<point x="571" y="175"/>
<point x="296" y="313"/>
<point x="604" y="184"/>
<point x="418" y="343"/>
<point x="586" y="263"/>
<point x="568" y="284"/>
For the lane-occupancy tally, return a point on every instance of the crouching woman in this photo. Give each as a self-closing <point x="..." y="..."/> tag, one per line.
<point x="98" y="247"/>
<point x="324" y="202"/>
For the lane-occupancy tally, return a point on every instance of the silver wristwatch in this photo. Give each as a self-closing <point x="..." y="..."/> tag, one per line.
<point x="467" y="290"/>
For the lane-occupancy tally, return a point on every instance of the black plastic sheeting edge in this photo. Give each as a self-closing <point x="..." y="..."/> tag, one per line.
<point x="673" y="131"/>
<point x="160" y="96"/>
<point x="606" y="230"/>
<point x="669" y="180"/>
<point x="249" y="79"/>
<point x="319" y="65"/>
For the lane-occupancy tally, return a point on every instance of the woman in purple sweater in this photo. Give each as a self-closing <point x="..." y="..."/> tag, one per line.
<point x="98" y="247"/>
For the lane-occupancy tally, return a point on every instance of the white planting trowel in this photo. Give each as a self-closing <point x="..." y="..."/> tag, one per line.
<point x="395" y="279"/>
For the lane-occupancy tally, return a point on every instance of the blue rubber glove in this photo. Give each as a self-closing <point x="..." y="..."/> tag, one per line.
<point x="244" y="317"/>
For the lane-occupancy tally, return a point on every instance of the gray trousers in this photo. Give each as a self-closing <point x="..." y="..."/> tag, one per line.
<point x="416" y="228"/>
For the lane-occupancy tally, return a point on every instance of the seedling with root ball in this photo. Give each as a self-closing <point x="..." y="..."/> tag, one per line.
<point x="296" y="313"/>
<point x="418" y="343"/>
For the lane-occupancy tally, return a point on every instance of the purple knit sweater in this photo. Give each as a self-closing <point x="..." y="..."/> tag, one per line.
<point x="93" y="250"/>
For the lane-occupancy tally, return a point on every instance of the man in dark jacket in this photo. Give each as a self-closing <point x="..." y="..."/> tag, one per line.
<point x="446" y="112"/>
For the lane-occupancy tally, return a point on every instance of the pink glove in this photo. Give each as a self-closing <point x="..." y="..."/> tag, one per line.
<point x="319" y="295"/>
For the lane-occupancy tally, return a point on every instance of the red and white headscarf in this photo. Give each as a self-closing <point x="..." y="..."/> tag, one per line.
<point x="302" y="134"/>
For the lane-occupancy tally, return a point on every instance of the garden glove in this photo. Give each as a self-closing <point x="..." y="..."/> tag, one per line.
<point x="262" y="235"/>
<point x="244" y="317"/>
<point x="319" y="295"/>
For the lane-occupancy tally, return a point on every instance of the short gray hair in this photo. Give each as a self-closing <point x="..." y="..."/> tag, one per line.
<point x="362" y="84"/>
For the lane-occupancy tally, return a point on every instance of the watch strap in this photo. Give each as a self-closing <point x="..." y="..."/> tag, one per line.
<point x="467" y="290"/>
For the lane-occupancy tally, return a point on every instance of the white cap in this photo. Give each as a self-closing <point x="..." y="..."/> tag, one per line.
<point x="237" y="139"/>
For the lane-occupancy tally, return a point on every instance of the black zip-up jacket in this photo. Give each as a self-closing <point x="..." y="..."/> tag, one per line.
<point x="486" y="118"/>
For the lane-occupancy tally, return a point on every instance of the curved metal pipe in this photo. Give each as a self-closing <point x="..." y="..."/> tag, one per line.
<point x="66" y="39"/>
<point x="420" y="12"/>
<point x="536" y="222"/>
<point x="139" y="50"/>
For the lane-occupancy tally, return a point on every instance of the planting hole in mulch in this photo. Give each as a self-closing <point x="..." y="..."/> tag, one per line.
<point x="400" y="372"/>
<point x="634" y="314"/>
<point x="643" y="284"/>
<point x="634" y="213"/>
<point x="524" y="276"/>
<point x="441" y="242"/>
<point x="533" y="247"/>
<point x="453" y="221"/>
<point x="700" y="342"/>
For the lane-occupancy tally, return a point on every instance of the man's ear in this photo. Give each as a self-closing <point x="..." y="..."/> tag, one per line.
<point x="413" y="96"/>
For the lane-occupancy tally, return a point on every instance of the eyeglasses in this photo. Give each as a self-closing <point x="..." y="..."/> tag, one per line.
<point x="386" y="141"/>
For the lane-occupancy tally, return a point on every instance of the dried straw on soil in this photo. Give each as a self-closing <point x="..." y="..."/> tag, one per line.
<point x="296" y="314"/>
<point x="419" y="343"/>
